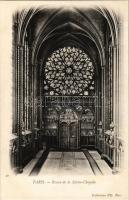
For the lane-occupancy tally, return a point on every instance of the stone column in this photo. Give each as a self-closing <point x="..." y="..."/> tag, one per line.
<point x="41" y="92"/>
<point x="19" y="104"/>
<point x="27" y="86"/>
<point x="97" y="110"/>
<point x="115" y="105"/>
<point x="35" y="97"/>
<point x="103" y="108"/>
<point x="15" y="77"/>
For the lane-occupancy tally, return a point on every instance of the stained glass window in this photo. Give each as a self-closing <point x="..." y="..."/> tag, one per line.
<point x="69" y="71"/>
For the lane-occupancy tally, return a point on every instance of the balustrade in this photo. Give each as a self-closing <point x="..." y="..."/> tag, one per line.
<point x="50" y="101"/>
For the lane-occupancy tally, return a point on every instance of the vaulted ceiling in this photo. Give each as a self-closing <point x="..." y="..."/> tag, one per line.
<point x="54" y="28"/>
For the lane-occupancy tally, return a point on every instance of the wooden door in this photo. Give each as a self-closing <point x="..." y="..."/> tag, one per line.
<point x="64" y="136"/>
<point x="73" y="135"/>
<point x="68" y="136"/>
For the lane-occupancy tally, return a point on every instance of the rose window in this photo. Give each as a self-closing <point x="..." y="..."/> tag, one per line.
<point x="69" y="71"/>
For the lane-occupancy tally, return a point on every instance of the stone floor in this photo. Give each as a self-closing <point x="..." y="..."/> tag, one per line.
<point x="66" y="163"/>
<point x="69" y="163"/>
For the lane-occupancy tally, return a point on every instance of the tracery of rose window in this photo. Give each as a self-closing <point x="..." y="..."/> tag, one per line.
<point x="69" y="71"/>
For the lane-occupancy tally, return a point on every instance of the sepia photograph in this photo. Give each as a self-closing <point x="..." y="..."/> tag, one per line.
<point x="68" y="113"/>
<point x="65" y="96"/>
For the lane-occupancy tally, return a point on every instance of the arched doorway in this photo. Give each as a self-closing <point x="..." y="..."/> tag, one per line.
<point x="68" y="130"/>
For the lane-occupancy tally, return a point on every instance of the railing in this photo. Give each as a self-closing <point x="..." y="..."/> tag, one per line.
<point x="31" y="143"/>
<point x="100" y="142"/>
<point x="111" y="147"/>
<point x="63" y="101"/>
<point x="69" y="101"/>
<point x="120" y="152"/>
<point x="109" y="150"/>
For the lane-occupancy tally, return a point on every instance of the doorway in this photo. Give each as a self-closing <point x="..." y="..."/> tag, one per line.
<point x="68" y="130"/>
